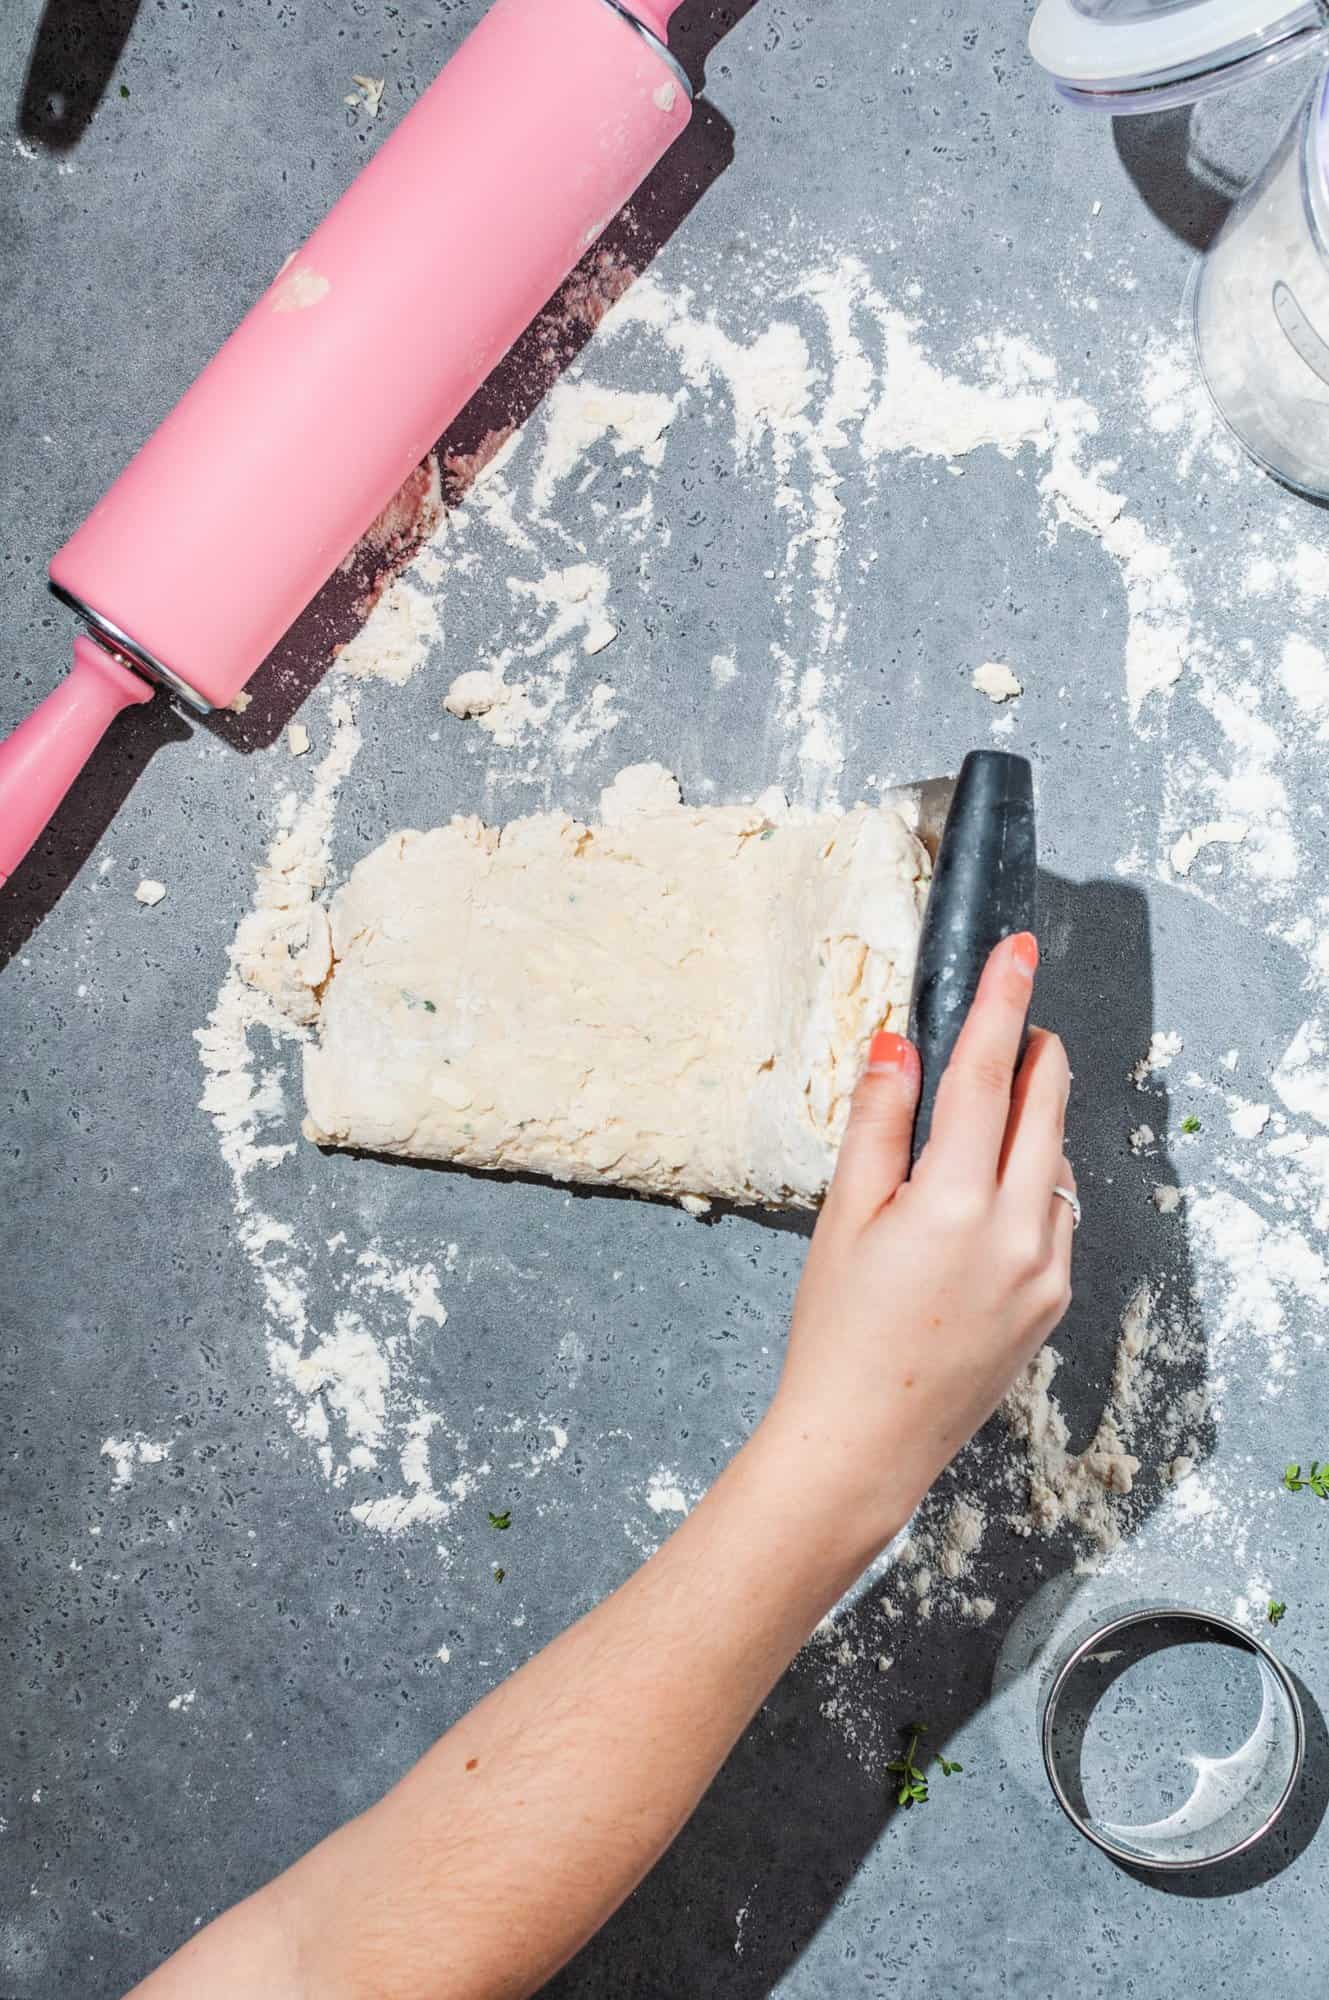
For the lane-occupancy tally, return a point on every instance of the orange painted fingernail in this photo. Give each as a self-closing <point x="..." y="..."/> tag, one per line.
<point x="1024" y="950"/>
<point x="887" y="1052"/>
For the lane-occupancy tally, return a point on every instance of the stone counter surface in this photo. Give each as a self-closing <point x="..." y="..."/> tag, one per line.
<point x="902" y="388"/>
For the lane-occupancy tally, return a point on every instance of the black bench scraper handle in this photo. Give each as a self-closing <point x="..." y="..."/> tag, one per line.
<point x="984" y="888"/>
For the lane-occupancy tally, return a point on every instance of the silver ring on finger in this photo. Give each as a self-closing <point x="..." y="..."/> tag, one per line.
<point x="1072" y="1201"/>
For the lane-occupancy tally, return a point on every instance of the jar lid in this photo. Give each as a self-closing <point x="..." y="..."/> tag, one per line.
<point x="1143" y="55"/>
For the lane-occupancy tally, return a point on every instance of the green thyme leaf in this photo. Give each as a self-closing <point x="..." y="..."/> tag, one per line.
<point x="1317" y="1479"/>
<point x="912" y="1789"/>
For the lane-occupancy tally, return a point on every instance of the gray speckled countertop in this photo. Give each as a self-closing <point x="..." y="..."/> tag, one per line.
<point x="210" y="1657"/>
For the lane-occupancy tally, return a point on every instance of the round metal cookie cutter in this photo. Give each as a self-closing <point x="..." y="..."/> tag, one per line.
<point x="1236" y="1798"/>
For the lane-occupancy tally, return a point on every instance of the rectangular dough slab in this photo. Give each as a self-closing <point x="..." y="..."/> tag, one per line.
<point x="677" y="1000"/>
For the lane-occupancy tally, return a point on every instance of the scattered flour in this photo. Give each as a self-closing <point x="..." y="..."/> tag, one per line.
<point x="1248" y="1120"/>
<point x="127" y="1453"/>
<point x="394" y="643"/>
<point x="1304" y="672"/>
<point x="1082" y="1489"/>
<point x="1164" y="1048"/>
<point x="346" y="1386"/>
<point x="415" y="1284"/>
<point x="580" y="414"/>
<point x="1253" y="1270"/>
<point x="150" y="893"/>
<point x="815" y="380"/>
<point x="571" y="602"/>
<point x="1302" y="1077"/>
<point x="367" y="95"/>
<point x="1216" y="832"/>
<point x="664" y="1495"/>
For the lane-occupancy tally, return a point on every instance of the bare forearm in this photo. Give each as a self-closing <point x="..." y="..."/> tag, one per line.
<point x="499" y="1855"/>
<point x="502" y="1852"/>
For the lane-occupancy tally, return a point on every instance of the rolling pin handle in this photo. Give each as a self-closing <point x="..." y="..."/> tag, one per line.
<point x="41" y="759"/>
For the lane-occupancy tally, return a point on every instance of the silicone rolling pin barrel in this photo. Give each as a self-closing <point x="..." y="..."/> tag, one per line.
<point x="240" y="506"/>
<point x="984" y="888"/>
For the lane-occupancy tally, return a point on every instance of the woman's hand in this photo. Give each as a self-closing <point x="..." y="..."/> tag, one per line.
<point x="925" y="1294"/>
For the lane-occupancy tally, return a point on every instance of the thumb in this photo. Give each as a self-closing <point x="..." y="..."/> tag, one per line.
<point x="874" y="1154"/>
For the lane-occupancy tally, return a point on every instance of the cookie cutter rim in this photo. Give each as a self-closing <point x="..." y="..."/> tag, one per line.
<point x="1184" y="1614"/>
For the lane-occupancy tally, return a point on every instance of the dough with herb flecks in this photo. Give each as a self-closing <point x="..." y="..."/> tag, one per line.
<point x="677" y="1000"/>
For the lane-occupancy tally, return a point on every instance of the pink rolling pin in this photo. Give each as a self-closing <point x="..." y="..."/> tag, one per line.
<point x="329" y="393"/>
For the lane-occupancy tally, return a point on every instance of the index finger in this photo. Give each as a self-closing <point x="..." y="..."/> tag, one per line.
<point x="974" y="1095"/>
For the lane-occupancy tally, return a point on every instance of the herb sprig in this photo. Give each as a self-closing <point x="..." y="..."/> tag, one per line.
<point x="913" y="1776"/>
<point x="1317" y="1479"/>
<point x="1276" y="1612"/>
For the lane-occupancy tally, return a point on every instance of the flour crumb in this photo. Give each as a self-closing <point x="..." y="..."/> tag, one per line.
<point x="960" y="1537"/>
<point x="1167" y="1200"/>
<point x="182" y="1701"/>
<point x="600" y="634"/>
<point x="474" y="693"/>
<point x="1141" y="1139"/>
<point x="664" y="1495"/>
<point x="368" y="94"/>
<point x="1164" y="1048"/>
<point x="444" y="1654"/>
<point x="126" y="1453"/>
<point x="149" y="893"/>
<point x="297" y="739"/>
<point x="1214" y="833"/>
<point x="996" y="681"/>
<point x="1304" y="672"/>
<point x="240" y="702"/>
<point x="1248" y="1120"/>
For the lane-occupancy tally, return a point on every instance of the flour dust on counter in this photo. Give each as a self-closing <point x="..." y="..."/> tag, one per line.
<point x="831" y="401"/>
